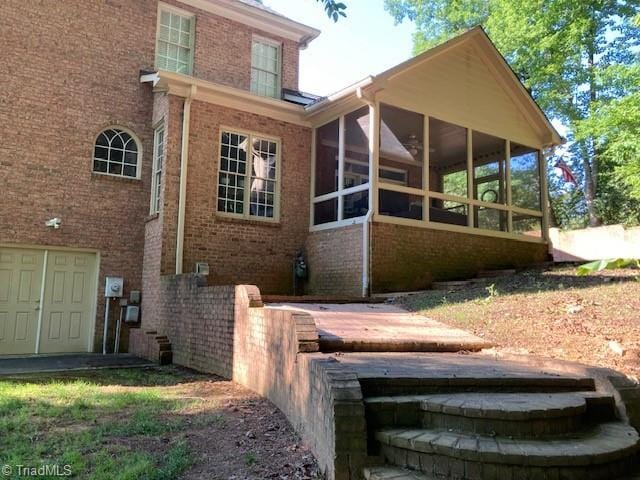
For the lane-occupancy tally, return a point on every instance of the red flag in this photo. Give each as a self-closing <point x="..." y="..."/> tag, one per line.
<point x="567" y="174"/>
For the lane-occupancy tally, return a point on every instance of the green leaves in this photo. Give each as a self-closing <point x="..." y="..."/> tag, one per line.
<point x="579" y="59"/>
<point x="611" y="264"/>
<point x="334" y="9"/>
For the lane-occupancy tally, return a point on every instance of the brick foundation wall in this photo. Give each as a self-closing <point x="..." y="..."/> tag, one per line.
<point x="335" y="261"/>
<point x="411" y="258"/>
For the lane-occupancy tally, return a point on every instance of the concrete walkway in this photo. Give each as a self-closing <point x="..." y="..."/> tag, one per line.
<point x="67" y="362"/>
<point x="383" y="328"/>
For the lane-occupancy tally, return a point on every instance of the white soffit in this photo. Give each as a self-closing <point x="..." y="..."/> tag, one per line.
<point x="260" y="19"/>
<point x="182" y="86"/>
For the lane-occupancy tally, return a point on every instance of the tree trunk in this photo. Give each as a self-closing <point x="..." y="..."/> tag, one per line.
<point x="590" y="193"/>
<point x="591" y="164"/>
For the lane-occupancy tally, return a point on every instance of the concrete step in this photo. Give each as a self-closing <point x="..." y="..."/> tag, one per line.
<point x="607" y="451"/>
<point x="512" y="414"/>
<point x="394" y="473"/>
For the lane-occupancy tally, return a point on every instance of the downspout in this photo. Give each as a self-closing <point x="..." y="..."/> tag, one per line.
<point x="366" y="225"/>
<point x="184" y="163"/>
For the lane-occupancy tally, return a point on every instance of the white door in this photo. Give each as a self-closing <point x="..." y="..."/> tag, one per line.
<point x="20" y="290"/>
<point x="69" y="295"/>
<point x="66" y="316"/>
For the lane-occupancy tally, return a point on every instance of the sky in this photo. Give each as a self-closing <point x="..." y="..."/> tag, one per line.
<point x="365" y="43"/>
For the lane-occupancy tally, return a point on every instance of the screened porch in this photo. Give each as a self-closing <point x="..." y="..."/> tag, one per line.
<point x="414" y="169"/>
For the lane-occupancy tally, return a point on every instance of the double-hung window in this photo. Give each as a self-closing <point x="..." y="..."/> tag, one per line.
<point x="248" y="177"/>
<point x="265" y="68"/>
<point x="174" y="44"/>
<point x="158" y="161"/>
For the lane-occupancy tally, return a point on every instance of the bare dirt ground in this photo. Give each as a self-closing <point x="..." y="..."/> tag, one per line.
<point x="159" y="423"/>
<point x="553" y="312"/>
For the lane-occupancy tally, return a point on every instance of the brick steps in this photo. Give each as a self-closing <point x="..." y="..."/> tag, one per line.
<point x="531" y="415"/>
<point x="393" y="385"/>
<point x="500" y="436"/>
<point x="329" y="343"/>
<point x="394" y="473"/>
<point x="606" y="443"/>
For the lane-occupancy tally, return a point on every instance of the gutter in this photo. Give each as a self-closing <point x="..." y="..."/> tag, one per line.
<point x="184" y="164"/>
<point x="366" y="225"/>
<point x="345" y="92"/>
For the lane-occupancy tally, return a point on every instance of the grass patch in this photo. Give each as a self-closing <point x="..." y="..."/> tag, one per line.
<point x="85" y="423"/>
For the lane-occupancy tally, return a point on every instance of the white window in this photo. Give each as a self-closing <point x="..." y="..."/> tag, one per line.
<point x="116" y="152"/>
<point x="174" y="43"/>
<point x="158" y="161"/>
<point x="265" y="68"/>
<point x="248" y="175"/>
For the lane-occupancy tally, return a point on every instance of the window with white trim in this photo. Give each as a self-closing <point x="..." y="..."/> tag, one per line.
<point x="248" y="175"/>
<point x="265" y="68"/>
<point x="174" y="43"/>
<point x="158" y="162"/>
<point x="116" y="152"/>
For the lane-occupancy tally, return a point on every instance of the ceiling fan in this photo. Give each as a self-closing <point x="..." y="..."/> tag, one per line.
<point x="413" y="145"/>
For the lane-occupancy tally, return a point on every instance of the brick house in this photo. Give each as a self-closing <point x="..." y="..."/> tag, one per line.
<point x="178" y="137"/>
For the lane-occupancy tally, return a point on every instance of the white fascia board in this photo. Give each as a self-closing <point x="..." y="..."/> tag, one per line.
<point x="332" y="102"/>
<point x="259" y="19"/>
<point x="181" y="85"/>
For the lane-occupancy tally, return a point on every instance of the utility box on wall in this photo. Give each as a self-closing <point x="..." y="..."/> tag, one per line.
<point x="114" y="287"/>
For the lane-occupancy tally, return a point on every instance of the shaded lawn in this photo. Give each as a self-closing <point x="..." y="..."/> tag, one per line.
<point x="550" y="312"/>
<point x="151" y="423"/>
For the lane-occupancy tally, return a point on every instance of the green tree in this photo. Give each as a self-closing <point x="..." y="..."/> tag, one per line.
<point x="334" y="9"/>
<point x="579" y="60"/>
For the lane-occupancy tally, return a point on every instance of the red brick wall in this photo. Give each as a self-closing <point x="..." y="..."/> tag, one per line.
<point x="70" y="69"/>
<point x="335" y="261"/>
<point x="223" y="51"/>
<point x="410" y="258"/>
<point x="238" y="251"/>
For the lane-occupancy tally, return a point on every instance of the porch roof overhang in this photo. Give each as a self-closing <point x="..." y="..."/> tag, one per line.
<point x="343" y="99"/>
<point x="201" y="90"/>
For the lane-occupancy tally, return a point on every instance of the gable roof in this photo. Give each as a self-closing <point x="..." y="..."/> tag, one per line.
<point x="510" y="82"/>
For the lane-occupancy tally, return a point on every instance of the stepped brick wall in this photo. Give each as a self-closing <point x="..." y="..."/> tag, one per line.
<point x="225" y="330"/>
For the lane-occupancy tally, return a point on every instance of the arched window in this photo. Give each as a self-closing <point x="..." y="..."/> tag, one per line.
<point x="116" y="152"/>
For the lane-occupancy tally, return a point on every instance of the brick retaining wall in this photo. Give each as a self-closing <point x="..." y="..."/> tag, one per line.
<point x="227" y="331"/>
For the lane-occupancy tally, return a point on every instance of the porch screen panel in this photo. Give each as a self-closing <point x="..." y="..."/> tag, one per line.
<point x="326" y="171"/>
<point x="400" y="204"/>
<point x="488" y="218"/>
<point x="527" y="225"/>
<point x="325" y="212"/>
<point x="525" y="177"/>
<point x="401" y="147"/>
<point x="233" y="169"/>
<point x="356" y="148"/>
<point x="448" y="172"/>
<point x="489" y="180"/>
